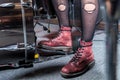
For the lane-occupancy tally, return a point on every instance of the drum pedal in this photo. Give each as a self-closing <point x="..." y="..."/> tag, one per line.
<point x="49" y="52"/>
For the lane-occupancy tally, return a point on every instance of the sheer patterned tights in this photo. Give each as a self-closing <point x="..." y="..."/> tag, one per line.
<point x="89" y="10"/>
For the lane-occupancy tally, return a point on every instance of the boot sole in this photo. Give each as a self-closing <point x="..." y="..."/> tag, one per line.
<point x="60" y="48"/>
<point x="78" y="73"/>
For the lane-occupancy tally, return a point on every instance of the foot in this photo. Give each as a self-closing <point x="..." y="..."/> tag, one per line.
<point x="81" y="62"/>
<point x="62" y="42"/>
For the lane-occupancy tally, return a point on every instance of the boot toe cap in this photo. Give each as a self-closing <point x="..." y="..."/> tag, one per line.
<point x="42" y="42"/>
<point x="64" y="70"/>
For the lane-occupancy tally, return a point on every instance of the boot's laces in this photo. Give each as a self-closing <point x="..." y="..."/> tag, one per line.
<point x="58" y="37"/>
<point x="61" y="32"/>
<point x="77" y="55"/>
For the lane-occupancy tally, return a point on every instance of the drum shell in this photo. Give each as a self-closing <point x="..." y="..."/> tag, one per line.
<point x="11" y="30"/>
<point x="13" y="16"/>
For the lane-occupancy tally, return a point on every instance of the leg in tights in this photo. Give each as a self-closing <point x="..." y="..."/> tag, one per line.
<point x="63" y="40"/>
<point x="83" y="58"/>
<point x="61" y="8"/>
<point x="89" y="16"/>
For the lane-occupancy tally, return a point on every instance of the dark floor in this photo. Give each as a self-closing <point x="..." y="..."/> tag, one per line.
<point x="49" y="70"/>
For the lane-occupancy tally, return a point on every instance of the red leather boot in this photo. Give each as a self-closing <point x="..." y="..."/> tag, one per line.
<point x="82" y="61"/>
<point x="62" y="42"/>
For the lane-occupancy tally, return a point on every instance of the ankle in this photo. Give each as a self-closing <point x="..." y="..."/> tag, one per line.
<point x="85" y="44"/>
<point x="65" y="28"/>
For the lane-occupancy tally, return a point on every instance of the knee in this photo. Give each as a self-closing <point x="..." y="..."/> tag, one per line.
<point x="61" y="7"/>
<point x="89" y="7"/>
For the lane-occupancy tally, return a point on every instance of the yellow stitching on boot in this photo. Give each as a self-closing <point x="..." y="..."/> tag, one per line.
<point x="89" y="7"/>
<point x="62" y="7"/>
